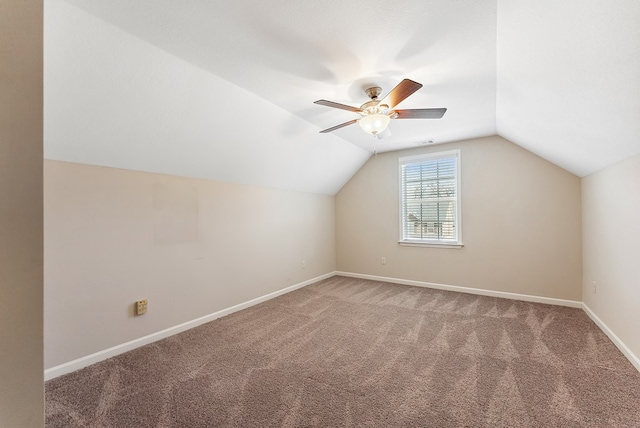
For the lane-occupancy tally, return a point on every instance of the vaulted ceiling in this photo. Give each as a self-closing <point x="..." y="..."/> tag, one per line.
<point x="225" y="90"/>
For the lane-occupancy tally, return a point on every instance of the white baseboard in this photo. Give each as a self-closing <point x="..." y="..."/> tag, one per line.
<point x="88" y="360"/>
<point x="479" y="291"/>
<point x="633" y="358"/>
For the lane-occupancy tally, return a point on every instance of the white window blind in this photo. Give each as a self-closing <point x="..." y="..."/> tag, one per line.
<point x="430" y="199"/>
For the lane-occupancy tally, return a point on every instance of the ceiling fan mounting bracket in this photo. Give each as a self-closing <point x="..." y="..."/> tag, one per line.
<point x="373" y="92"/>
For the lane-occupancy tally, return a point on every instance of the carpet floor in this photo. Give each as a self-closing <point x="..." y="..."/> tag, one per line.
<point x="350" y="352"/>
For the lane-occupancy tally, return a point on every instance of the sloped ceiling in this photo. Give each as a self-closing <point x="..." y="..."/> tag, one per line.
<point x="569" y="80"/>
<point x="224" y="90"/>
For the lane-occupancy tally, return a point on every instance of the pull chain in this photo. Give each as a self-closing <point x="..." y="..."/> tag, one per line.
<point x="375" y="152"/>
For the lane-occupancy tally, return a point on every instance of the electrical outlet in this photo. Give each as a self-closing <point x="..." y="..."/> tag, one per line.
<point x="141" y="307"/>
<point x="304" y="264"/>
<point x="383" y="260"/>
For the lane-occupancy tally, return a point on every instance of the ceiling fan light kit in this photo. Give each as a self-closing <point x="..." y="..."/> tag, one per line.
<point x="376" y="115"/>
<point x="374" y="123"/>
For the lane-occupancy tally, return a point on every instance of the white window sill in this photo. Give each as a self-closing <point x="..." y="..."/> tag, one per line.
<point x="431" y="244"/>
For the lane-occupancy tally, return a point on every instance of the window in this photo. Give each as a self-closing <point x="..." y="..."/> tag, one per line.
<point x="430" y="200"/>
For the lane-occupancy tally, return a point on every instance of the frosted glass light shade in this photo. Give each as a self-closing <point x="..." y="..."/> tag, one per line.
<point x="374" y="123"/>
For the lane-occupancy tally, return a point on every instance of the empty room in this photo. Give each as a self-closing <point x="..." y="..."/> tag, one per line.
<point x="378" y="213"/>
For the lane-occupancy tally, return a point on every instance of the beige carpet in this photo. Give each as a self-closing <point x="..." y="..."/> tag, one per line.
<point x="347" y="352"/>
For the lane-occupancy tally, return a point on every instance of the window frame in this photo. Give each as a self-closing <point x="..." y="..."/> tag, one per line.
<point x="435" y="243"/>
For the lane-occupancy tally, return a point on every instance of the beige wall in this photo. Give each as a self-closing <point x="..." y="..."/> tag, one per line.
<point x="21" y="377"/>
<point x="191" y="247"/>
<point x="520" y="217"/>
<point x="610" y="233"/>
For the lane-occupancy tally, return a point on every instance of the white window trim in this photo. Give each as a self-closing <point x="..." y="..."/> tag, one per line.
<point x="430" y="242"/>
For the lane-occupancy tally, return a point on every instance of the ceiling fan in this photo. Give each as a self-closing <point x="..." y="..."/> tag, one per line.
<point x="376" y="114"/>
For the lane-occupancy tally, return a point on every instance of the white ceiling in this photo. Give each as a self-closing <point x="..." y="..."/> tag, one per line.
<point x="225" y="90"/>
<point x="569" y="80"/>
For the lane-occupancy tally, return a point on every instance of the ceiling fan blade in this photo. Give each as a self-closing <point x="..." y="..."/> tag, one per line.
<point x="337" y="105"/>
<point x="342" y="125"/>
<point x="421" y="113"/>
<point x="401" y="92"/>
